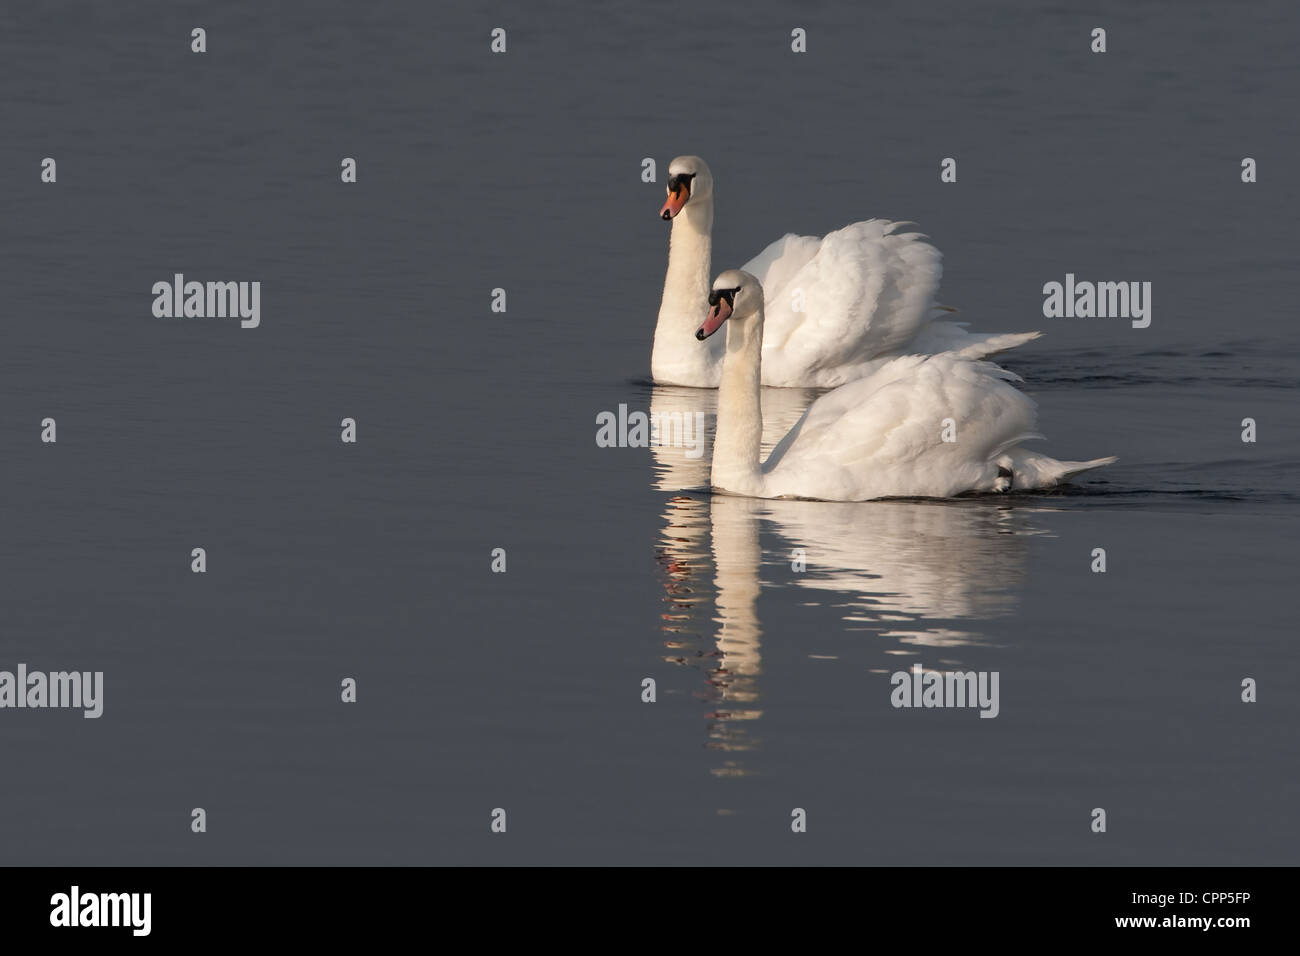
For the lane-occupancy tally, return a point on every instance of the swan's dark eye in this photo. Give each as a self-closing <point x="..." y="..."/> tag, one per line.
<point x="728" y="294"/>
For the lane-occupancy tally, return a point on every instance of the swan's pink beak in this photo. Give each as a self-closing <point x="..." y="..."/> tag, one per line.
<point x="713" y="321"/>
<point x="676" y="200"/>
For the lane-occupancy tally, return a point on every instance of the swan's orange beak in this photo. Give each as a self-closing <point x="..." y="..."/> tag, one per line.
<point x="719" y="313"/>
<point x="678" y="193"/>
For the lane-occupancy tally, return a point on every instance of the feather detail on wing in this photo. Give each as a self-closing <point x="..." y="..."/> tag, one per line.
<point x="835" y="302"/>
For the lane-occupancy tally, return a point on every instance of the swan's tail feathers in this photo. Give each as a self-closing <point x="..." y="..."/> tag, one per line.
<point x="1071" y="468"/>
<point x="1048" y="472"/>
<point x="990" y="343"/>
<point x="942" y="335"/>
<point x="1034" y="470"/>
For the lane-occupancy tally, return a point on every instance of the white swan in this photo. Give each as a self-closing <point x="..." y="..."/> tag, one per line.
<point x="835" y="304"/>
<point x="876" y="437"/>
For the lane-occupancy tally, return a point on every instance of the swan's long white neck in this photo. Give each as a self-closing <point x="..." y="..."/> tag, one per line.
<point x="678" y="358"/>
<point x="738" y="439"/>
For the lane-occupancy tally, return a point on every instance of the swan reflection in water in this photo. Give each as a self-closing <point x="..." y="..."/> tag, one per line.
<point x="922" y="576"/>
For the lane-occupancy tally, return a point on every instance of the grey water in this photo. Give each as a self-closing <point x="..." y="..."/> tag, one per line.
<point x="476" y="430"/>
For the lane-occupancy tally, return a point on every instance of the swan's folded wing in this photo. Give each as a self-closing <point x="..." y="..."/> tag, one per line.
<point x="885" y="434"/>
<point x="866" y="291"/>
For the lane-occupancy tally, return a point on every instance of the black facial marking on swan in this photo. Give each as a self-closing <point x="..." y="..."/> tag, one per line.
<point x="728" y="294"/>
<point x="677" y="182"/>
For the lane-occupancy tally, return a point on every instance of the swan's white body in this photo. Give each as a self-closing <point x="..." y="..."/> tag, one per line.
<point x="881" y="435"/>
<point x="836" y="305"/>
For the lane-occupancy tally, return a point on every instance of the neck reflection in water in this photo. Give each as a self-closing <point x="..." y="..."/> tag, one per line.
<point x="921" y="576"/>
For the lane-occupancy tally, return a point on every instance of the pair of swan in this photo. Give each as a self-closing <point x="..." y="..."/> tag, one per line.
<point x="915" y="412"/>
<point x="836" y="305"/>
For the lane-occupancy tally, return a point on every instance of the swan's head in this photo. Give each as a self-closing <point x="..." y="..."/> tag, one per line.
<point x="689" y="180"/>
<point x="736" y="295"/>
